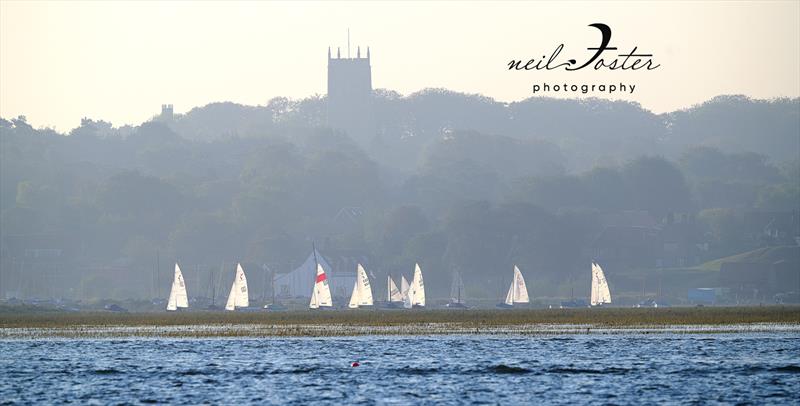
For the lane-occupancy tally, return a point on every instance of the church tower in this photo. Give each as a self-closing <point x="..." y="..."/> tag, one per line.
<point x="350" y="94"/>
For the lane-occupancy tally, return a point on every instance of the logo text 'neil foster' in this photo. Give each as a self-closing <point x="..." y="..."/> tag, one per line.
<point x="598" y="58"/>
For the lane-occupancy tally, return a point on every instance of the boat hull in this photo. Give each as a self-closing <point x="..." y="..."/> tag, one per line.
<point x="456" y="305"/>
<point x="574" y="304"/>
<point x="275" y="307"/>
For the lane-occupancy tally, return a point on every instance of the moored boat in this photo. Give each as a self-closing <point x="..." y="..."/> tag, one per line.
<point x="456" y="293"/>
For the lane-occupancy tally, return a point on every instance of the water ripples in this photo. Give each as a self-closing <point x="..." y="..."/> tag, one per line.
<point x="723" y="368"/>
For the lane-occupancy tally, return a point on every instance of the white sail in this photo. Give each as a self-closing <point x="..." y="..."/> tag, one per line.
<point x="177" y="294"/>
<point x="600" y="292"/>
<point x="593" y="294"/>
<point x="238" y="296"/>
<point x="418" y="288"/>
<point x="354" y="297"/>
<point x="520" y="290"/>
<point x="313" y="304"/>
<point x="605" y="292"/>
<point x="242" y="294"/>
<point x="364" y="287"/>
<point x="510" y="295"/>
<point x="403" y="285"/>
<point x="321" y="294"/>
<point x="392" y="293"/>
<point x="231" y="303"/>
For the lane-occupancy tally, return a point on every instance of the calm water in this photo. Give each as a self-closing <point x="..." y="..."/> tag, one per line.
<point x="578" y="369"/>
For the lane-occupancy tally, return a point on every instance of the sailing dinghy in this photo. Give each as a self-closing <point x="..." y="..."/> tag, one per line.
<point x="239" y="296"/>
<point x="517" y="292"/>
<point x="393" y="294"/>
<point x="362" y="291"/>
<point x="415" y="295"/>
<point x="600" y="293"/>
<point x="177" y="295"/>
<point x="321" y="293"/>
<point x="394" y="298"/>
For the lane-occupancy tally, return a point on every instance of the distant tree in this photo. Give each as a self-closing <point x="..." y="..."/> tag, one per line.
<point x="32" y="196"/>
<point x="435" y="188"/>
<point x="785" y="197"/>
<point x="727" y="230"/>
<point x="736" y="123"/>
<point x="140" y="250"/>
<point x="657" y="186"/>
<point x="21" y="220"/>
<point x="509" y="158"/>
<point x="134" y="194"/>
<point x="92" y="128"/>
<point x="791" y="171"/>
<point x="606" y="189"/>
<point x="552" y="192"/>
<point x="21" y="124"/>
<point x="451" y="180"/>
<point x="726" y="193"/>
<point x="727" y="180"/>
<point x="399" y="226"/>
<point x="705" y="163"/>
<point x="207" y="238"/>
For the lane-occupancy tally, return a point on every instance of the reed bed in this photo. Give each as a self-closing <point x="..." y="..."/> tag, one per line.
<point x="463" y="319"/>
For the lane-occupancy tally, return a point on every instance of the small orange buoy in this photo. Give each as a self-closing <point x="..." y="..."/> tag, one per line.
<point x="354" y="364"/>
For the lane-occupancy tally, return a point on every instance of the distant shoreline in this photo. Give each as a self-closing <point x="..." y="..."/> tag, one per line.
<point x="199" y="324"/>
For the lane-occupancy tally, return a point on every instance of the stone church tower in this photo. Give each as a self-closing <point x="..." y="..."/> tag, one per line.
<point x="350" y="95"/>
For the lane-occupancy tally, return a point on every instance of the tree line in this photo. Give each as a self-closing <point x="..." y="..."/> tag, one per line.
<point x="454" y="181"/>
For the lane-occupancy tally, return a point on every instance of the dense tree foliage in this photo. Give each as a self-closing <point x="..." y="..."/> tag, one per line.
<point x="456" y="182"/>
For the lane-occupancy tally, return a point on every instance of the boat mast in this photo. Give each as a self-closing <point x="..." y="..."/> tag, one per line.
<point x="316" y="264"/>
<point x="264" y="289"/>
<point x="458" y="281"/>
<point x="213" y="290"/>
<point x="153" y="283"/>
<point x="273" y="286"/>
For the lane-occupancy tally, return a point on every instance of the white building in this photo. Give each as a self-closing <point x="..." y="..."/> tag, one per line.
<point x="299" y="282"/>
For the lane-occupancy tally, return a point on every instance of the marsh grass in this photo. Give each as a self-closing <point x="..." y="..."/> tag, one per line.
<point x="602" y="317"/>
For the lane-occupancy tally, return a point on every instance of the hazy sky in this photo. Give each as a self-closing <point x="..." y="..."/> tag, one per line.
<point x="119" y="61"/>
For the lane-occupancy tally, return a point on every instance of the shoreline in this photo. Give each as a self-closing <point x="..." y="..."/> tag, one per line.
<point x="338" y="330"/>
<point x="199" y="324"/>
